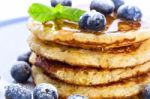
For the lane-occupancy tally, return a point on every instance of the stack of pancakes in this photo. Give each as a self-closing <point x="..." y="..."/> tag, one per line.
<point x="112" y="64"/>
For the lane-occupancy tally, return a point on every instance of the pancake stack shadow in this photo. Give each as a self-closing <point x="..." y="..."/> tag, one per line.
<point x="117" y="71"/>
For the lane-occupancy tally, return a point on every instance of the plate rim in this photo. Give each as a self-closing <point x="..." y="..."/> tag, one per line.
<point x="13" y="21"/>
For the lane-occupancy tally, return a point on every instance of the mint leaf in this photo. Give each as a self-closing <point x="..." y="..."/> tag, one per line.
<point x="72" y="14"/>
<point x="44" y="13"/>
<point x="41" y="12"/>
<point x="58" y="11"/>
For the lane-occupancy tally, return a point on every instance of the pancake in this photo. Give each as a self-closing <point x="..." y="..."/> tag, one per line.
<point x="86" y="76"/>
<point x="88" y="58"/>
<point x="124" y="89"/>
<point x="117" y="34"/>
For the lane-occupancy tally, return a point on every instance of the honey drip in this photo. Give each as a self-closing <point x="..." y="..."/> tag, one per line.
<point x="113" y="25"/>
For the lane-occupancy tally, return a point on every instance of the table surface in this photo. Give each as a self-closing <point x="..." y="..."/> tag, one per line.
<point x="14" y="34"/>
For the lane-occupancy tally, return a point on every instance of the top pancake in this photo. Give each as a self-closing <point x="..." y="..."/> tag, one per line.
<point x="118" y="33"/>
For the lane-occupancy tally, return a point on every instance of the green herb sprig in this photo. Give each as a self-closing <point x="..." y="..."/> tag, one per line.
<point x="43" y="13"/>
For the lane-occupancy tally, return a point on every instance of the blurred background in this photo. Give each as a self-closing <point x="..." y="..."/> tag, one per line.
<point x="16" y="8"/>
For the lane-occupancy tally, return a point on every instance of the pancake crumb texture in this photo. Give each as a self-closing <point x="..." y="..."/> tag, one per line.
<point x="126" y="89"/>
<point x="86" y="76"/>
<point x="88" y="58"/>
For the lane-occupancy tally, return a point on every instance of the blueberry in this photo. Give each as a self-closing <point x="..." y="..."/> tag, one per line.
<point x="129" y="13"/>
<point x="45" y="91"/>
<point x="118" y="3"/>
<point x="76" y="96"/>
<point x="15" y="91"/>
<point x="104" y="6"/>
<point x="21" y="71"/>
<point x="93" y="20"/>
<point x="146" y="92"/>
<point x="24" y="57"/>
<point x="63" y="2"/>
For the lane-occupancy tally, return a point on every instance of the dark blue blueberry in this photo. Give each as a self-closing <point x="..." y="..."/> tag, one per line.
<point x="76" y="96"/>
<point x="24" y="57"/>
<point x="45" y="91"/>
<point x="118" y="3"/>
<point x="15" y="91"/>
<point x="104" y="6"/>
<point x="21" y="71"/>
<point x="93" y="20"/>
<point x="129" y="13"/>
<point x="146" y="92"/>
<point x="63" y="2"/>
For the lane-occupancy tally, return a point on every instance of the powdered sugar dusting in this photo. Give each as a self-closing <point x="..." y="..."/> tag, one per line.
<point x="3" y="83"/>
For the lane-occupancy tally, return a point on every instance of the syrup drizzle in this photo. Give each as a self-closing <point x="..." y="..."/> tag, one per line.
<point x="113" y="25"/>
